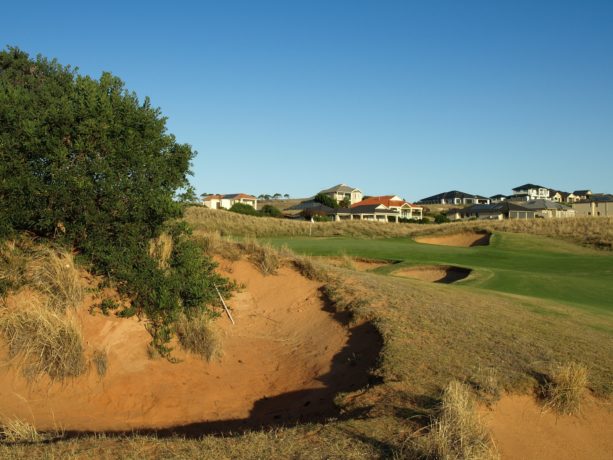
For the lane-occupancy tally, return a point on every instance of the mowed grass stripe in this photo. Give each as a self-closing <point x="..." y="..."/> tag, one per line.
<point x="527" y="265"/>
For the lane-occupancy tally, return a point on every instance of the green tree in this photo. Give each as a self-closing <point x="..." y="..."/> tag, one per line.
<point x="271" y="211"/>
<point x="86" y="163"/>
<point x="345" y="203"/>
<point x="326" y="200"/>
<point x="242" y="208"/>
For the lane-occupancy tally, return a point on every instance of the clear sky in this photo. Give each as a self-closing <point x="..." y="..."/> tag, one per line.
<point x="393" y="97"/>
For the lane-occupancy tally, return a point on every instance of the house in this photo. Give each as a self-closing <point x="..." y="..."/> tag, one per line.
<point x="497" y="198"/>
<point x="582" y="194"/>
<point x="455" y="197"/>
<point x="548" y="209"/>
<point x="216" y="201"/>
<point x="310" y="208"/>
<point x="493" y="211"/>
<point x="597" y="205"/>
<point x="562" y="197"/>
<point x="406" y="210"/>
<point x="371" y="212"/>
<point x="531" y="192"/>
<point x="341" y="192"/>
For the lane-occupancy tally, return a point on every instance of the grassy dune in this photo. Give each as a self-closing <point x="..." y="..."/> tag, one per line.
<point x="596" y="232"/>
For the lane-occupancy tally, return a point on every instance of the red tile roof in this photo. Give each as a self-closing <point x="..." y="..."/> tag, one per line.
<point x="385" y="200"/>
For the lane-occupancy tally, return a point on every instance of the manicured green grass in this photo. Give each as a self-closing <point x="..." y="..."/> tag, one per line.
<point x="520" y="264"/>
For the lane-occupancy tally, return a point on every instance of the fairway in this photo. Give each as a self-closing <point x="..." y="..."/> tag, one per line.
<point x="518" y="264"/>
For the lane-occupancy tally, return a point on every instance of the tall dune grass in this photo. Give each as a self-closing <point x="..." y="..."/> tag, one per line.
<point x="590" y="231"/>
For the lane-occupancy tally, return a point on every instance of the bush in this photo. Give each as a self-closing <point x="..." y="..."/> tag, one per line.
<point x="270" y="211"/>
<point x="326" y="200"/>
<point x="242" y="208"/>
<point x="97" y="170"/>
<point x="441" y="219"/>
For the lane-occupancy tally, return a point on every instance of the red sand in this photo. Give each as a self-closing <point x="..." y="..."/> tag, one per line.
<point x="283" y="361"/>
<point x="523" y="430"/>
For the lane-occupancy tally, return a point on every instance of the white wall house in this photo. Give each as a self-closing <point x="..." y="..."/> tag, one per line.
<point x="217" y="201"/>
<point x="531" y="192"/>
<point x="341" y="191"/>
<point x="405" y="209"/>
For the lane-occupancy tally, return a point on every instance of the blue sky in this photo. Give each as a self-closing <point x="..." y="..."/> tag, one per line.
<point x="401" y="97"/>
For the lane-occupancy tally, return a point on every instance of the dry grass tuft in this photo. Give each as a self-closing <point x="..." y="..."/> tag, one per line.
<point x="457" y="432"/>
<point x="160" y="249"/>
<point x="54" y="274"/>
<point x="13" y="266"/>
<point x="43" y="341"/>
<point x="266" y="258"/>
<point x="100" y="361"/>
<point x="18" y="431"/>
<point x="197" y="336"/>
<point x="564" y="390"/>
<point x="486" y="382"/>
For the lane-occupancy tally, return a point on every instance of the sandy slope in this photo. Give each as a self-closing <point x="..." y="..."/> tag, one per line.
<point x="283" y="361"/>
<point x="466" y="239"/>
<point x="522" y="430"/>
<point x="434" y="273"/>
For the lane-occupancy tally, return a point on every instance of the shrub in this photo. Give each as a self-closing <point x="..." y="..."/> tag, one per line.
<point x="325" y="200"/>
<point x="97" y="170"/>
<point x="242" y="208"/>
<point x="441" y="219"/>
<point x="270" y="211"/>
<point x="197" y="336"/>
<point x="44" y="341"/>
<point x="565" y="388"/>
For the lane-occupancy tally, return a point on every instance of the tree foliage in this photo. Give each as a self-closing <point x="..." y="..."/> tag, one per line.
<point x="326" y="200"/>
<point x="242" y="208"/>
<point x="85" y="162"/>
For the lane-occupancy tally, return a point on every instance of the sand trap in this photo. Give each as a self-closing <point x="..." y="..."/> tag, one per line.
<point x="522" y="430"/>
<point x="434" y="273"/>
<point x="464" y="240"/>
<point x="359" y="264"/>
<point x="284" y="360"/>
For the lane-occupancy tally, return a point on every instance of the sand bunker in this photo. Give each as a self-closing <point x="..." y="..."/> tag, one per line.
<point x="465" y="240"/>
<point x="521" y="429"/>
<point x="434" y="273"/>
<point x="283" y="362"/>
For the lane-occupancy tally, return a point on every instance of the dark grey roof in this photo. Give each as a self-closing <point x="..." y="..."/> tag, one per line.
<point x="343" y="188"/>
<point x="502" y="207"/>
<point x="500" y="195"/>
<point x="310" y="205"/>
<point x="599" y="197"/>
<point x="451" y="195"/>
<point x="544" y="204"/>
<point x="528" y="186"/>
<point x="582" y="192"/>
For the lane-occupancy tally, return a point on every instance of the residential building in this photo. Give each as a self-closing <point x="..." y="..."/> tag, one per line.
<point x="405" y="209"/>
<point x="532" y="191"/>
<point x="495" y="211"/>
<point x="371" y="212"/>
<point x="562" y="197"/>
<point x="455" y="197"/>
<point x="597" y="205"/>
<point x="341" y="192"/>
<point x="498" y="198"/>
<point x="216" y="201"/>
<point x="548" y="209"/>
<point x="582" y="194"/>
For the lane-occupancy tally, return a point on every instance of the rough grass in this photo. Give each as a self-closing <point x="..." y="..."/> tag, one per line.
<point x="54" y="274"/>
<point x="197" y="335"/>
<point x="160" y="249"/>
<point x="19" y="431"/>
<point x="100" y="361"/>
<point x="43" y="341"/>
<point x="456" y="432"/>
<point x="590" y="231"/>
<point x="566" y="385"/>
